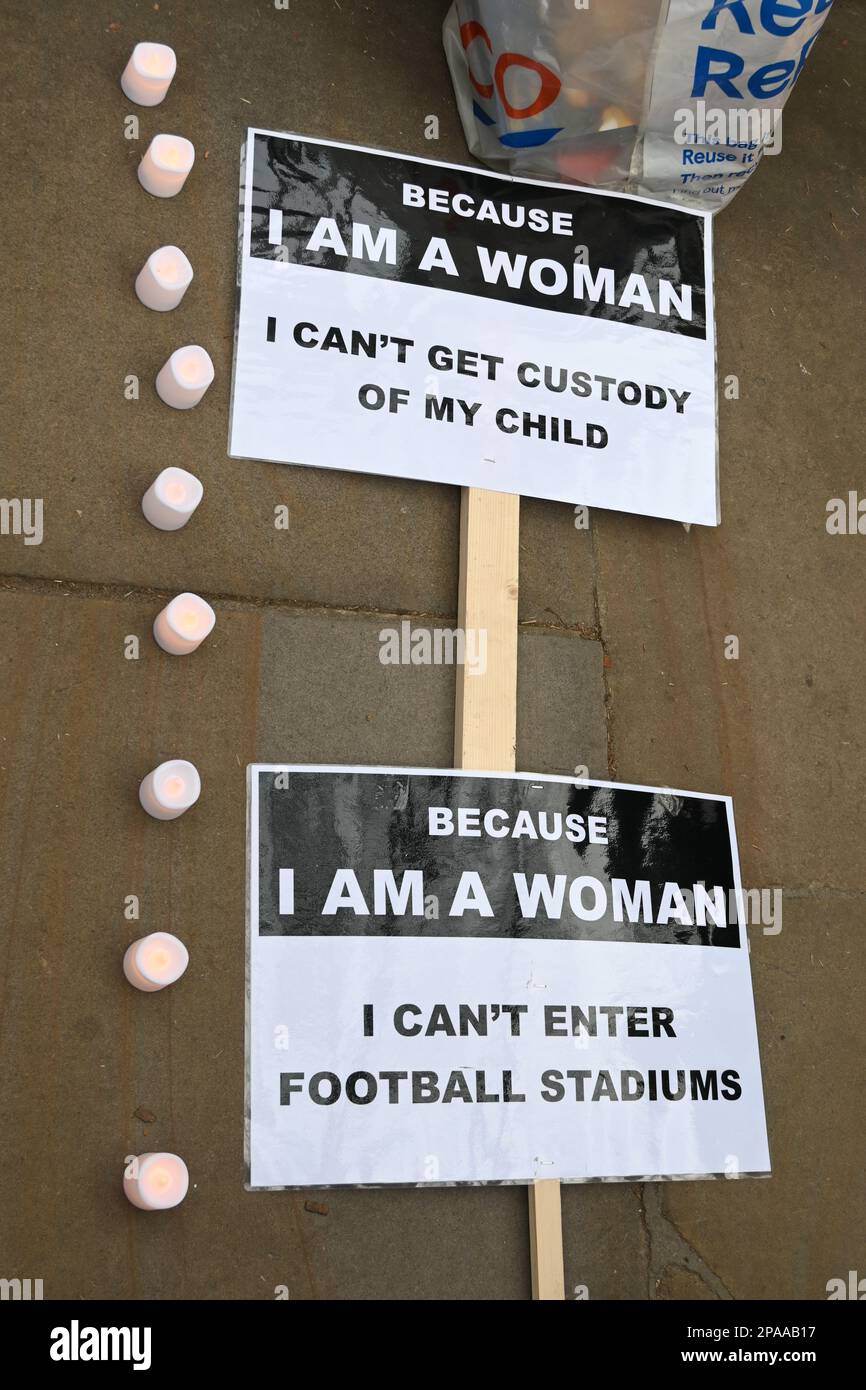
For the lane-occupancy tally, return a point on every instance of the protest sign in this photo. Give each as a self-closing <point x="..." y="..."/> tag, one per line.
<point x="480" y="977"/>
<point x="431" y="321"/>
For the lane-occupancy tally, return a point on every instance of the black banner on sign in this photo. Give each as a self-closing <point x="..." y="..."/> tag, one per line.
<point x="340" y="208"/>
<point x="382" y="853"/>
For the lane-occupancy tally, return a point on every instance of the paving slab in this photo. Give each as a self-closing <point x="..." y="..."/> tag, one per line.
<point x="75" y="332"/>
<point x="94" y="1071"/>
<point x="560" y="704"/>
<point x="604" y="1241"/>
<point x="787" y="1236"/>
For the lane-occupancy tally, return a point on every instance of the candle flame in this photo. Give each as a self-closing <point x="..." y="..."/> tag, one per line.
<point x="188" y="369"/>
<point x="169" y="268"/>
<point x="175" y="492"/>
<point x="188" y="620"/>
<point x="173" y="786"/>
<point x="154" y="63"/>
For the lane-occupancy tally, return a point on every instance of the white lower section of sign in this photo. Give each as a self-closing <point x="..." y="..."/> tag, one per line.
<point x="306" y="1017"/>
<point x="296" y="404"/>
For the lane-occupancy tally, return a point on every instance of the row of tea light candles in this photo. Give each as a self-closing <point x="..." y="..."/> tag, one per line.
<point x="168" y="158"/>
<point x="166" y="274"/>
<point x="158" y="1181"/>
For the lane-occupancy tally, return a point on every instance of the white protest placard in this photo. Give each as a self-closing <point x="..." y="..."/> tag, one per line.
<point x="432" y="321"/>
<point x="481" y="977"/>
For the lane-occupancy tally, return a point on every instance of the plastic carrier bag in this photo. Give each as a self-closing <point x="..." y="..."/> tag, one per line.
<point x="673" y="99"/>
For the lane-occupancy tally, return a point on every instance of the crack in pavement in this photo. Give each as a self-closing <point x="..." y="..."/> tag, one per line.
<point x="668" y="1246"/>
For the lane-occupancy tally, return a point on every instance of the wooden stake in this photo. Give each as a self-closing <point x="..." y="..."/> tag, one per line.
<point x="485" y="736"/>
<point x="485" y="718"/>
<point x="545" y="1239"/>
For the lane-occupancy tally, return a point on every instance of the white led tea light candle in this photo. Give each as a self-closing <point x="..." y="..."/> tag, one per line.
<point x="164" y="279"/>
<point x="155" y="961"/>
<point x="156" y="1182"/>
<point x="147" y="76"/>
<point x="170" y="789"/>
<point x="166" y="163"/>
<point x="183" y="624"/>
<point x="171" y="499"/>
<point x="185" y="377"/>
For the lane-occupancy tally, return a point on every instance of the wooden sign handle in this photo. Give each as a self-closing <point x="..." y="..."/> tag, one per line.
<point x="485" y="737"/>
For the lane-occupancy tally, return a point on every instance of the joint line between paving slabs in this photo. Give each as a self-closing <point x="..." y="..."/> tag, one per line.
<point x="68" y="588"/>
